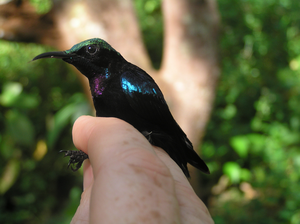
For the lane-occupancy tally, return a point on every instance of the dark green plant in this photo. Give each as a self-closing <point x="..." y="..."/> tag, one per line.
<point x="38" y="104"/>
<point x="254" y="133"/>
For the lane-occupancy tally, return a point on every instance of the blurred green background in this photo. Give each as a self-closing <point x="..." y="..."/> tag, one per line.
<point x="252" y="141"/>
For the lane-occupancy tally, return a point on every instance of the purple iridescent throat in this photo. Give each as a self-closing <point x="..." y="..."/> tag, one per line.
<point x="97" y="83"/>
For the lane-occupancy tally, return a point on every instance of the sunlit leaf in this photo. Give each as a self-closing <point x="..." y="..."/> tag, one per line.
<point x="233" y="171"/>
<point x="241" y="145"/>
<point x="295" y="219"/>
<point x="11" y="92"/>
<point x="40" y="150"/>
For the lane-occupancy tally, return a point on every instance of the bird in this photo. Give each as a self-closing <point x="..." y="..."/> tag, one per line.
<point x="122" y="90"/>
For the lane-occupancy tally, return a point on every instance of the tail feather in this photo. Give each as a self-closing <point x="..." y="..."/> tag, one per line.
<point x="180" y="150"/>
<point x="194" y="159"/>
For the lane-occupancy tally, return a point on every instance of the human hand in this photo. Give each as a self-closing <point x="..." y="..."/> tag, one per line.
<point x="127" y="180"/>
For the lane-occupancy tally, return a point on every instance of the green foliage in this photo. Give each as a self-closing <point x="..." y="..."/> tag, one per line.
<point x="39" y="101"/>
<point x="41" y="6"/>
<point x="254" y="133"/>
<point x="151" y="24"/>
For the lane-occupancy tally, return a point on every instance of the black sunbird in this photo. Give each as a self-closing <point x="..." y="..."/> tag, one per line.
<point x="123" y="90"/>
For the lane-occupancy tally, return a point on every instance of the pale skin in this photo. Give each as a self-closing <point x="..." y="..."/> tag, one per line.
<point x="127" y="180"/>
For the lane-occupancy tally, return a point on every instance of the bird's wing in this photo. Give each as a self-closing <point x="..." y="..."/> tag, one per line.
<point x="144" y="96"/>
<point x="146" y="99"/>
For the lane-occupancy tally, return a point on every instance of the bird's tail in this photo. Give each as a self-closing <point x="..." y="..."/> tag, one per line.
<point x="194" y="159"/>
<point x="180" y="150"/>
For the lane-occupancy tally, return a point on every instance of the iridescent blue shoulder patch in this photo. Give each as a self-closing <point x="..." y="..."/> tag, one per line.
<point x="136" y="82"/>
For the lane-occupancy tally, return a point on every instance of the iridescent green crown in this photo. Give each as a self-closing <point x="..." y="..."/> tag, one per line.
<point x="103" y="45"/>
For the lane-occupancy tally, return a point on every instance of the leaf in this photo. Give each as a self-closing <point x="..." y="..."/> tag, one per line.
<point x="240" y="144"/>
<point x="258" y="142"/>
<point x="11" y="92"/>
<point x="233" y="171"/>
<point x="40" y="151"/>
<point x="69" y="113"/>
<point x="9" y="175"/>
<point x="12" y="95"/>
<point x="20" y="128"/>
<point x="245" y="174"/>
<point x="28" y="101"/>
<point x="229" y="112"/>
<point x="61" y="119"/>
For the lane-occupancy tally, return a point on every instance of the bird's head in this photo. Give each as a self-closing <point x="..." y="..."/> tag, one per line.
<point x="89" y="56"/>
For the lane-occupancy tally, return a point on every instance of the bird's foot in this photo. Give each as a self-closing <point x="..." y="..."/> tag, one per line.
<point x="76" y="157"/>
<point x="147" y="135"/>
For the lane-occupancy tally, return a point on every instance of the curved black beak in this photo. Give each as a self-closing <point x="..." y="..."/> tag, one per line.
<point x="54" y="54"/>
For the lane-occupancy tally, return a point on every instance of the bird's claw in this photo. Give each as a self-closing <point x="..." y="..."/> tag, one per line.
<point x="76" y="158"/>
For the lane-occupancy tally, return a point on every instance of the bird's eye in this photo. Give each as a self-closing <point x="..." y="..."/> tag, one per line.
<point x="92" y="49"/>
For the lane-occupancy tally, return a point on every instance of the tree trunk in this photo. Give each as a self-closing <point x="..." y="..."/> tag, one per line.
<point x="190" y="64"/>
